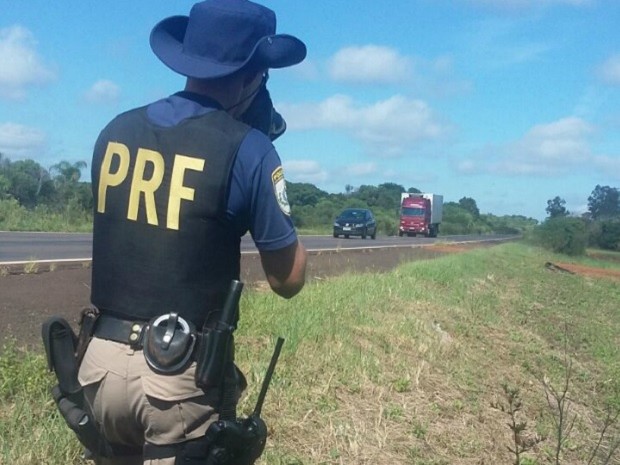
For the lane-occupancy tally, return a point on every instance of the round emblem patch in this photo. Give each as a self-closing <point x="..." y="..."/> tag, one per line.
<point x="279" y="188"/>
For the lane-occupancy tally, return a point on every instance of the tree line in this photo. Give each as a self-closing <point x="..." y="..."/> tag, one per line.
<point x="38" y="199"/>
<point x="599" y="226"/>
<point x="55" y="199"/>
<point x="315" y="209"/>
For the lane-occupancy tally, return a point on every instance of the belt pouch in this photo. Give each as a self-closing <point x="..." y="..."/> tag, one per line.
<point x="60" y="341"/>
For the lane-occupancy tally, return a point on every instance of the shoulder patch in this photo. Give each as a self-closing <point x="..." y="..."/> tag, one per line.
<point x="279" y="189"/>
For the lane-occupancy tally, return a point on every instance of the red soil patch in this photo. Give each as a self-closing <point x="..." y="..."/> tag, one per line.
<point x="455" y="248"/>
<point x="590" y="271"/>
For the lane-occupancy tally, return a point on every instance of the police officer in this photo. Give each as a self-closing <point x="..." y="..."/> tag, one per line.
<point x="176" y="184"/>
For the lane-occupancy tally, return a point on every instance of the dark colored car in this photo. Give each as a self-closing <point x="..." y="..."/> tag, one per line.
<point x="355" y="222"/>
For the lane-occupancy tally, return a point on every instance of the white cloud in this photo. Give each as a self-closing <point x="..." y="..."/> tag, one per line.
<point x="22" y="66"/>
<point x="361" y="169"/>
<point x="609" y="165"/>
<point x="501" y="42"/>
<point x="609" y="71"/>
<point x="546" y="149"/>
<point x="370" y="64"/>
<point x="304" y="171"/>
<point x="388" y="127"/>
<point x="21" y="141"/>
<point x="467" y="167"/>
<point x="524" y="53"/>
<point x="561" y="140"/>
<point x="307" y="69"/>
<point x="589" y="103"/>
<point x="103" y="91"/>
<point x="378" y="65"/>
<point x="438" y="77"/>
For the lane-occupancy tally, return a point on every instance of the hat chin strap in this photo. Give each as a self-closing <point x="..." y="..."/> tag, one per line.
<point x="249" y="96"/>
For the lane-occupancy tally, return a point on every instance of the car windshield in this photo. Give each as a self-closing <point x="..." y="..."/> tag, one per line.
<point x="412" y="211"/>
<point x="352" y="215"/>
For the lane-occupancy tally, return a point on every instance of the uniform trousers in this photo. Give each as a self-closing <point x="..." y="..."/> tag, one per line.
<point x="132" y="404"/>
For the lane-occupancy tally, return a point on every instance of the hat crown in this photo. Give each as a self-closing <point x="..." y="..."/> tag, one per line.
<point x="227" y="31"/>
<point x="220" y="37"/>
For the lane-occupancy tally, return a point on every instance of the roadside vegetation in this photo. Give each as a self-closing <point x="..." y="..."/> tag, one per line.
<point x="481" y="357"/>
<point x="33" y="198"/>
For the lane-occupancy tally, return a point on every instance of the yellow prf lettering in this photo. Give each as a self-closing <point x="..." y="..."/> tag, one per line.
<point x="177" y="190"/>
<point x="108" y="179"/>
<point x="145" y="186"/>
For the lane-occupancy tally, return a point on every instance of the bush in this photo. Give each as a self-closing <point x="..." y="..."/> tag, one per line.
<point x="71" y="217"/>
<point x="594" y="233"/>
<point x="563" y="235"/>
<point x="607" y="236"/>
<point x="387" y="224"/>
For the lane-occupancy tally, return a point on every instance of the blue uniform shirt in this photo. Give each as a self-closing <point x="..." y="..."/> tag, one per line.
<point x="257" y="199"/>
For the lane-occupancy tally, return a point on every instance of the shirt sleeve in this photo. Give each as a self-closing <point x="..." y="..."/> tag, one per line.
<point x="257" y="199"/>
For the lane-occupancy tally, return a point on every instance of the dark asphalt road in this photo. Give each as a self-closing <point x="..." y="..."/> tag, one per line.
<point x="29" y="246"/>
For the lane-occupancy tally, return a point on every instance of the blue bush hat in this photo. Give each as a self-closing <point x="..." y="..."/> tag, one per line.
<point x="220" y="37"/>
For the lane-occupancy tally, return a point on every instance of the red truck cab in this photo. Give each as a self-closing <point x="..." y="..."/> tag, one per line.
<point x="420" y="214"/>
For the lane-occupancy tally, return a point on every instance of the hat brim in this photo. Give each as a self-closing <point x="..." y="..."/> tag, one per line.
<point x="274" y="51"/>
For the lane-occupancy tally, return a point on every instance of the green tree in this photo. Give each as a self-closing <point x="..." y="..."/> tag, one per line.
<point x="508" y="224"/>
<point x="604" y="202"/>
<point x="367" y="194"/>
<point x="605" y="234"/>
<point x="65" y="172"/>
<point x="4" y="180"/>
<point x="302" y="193"/>
<point x="389" y="195"/>
<point x="457" y="220"/>
<point x="469" y="204"/>
<point x="68" y="190"/>
<point x="26" y="180"/>
<point x="556" y="207"/>
<point x="564" y="235"/>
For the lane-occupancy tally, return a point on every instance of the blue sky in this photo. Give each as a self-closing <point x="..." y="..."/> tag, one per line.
<point x="510" y="102"/>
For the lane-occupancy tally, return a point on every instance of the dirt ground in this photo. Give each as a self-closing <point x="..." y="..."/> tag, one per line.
<point x="28" y="299"/>
<point x="589" y="271"/>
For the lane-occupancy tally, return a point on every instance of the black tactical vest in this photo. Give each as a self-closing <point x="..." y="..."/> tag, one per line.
<point x="161" y="240"/>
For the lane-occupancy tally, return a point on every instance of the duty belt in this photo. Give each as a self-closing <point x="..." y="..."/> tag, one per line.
<point x="130" y="332"/>
<point x="167" y="341"/>
<point x="119" y="330"/>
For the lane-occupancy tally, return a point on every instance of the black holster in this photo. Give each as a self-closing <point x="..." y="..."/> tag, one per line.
<point x="62" y="349"/>
<point x="60" y="343"/>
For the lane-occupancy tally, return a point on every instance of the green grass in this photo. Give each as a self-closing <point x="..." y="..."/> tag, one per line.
<point x="31" y="429"/>
<point x="398" y="368"/>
